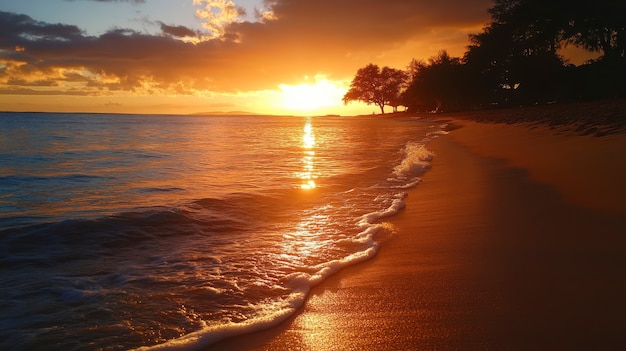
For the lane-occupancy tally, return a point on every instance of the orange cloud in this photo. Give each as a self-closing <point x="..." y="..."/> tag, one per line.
<point x="295" y="38"/>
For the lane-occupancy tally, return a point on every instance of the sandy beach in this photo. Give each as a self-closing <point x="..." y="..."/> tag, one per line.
<point x="513" y="241"/>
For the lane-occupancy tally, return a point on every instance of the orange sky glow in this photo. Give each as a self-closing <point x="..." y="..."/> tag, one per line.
<point x="270" y="57"/>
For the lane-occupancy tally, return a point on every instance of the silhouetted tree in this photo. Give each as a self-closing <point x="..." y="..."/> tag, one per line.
<point x="411" y="95"/>
<point x="516" y="53"/>
<point x="598" y="25"/>
<point x="520" y="46"/>
<point x="394" y="82"/>
<point x="375" y="86"/>
<point x="437" y="84"/>
<point x="535" y="25"/>
<point x="513" y="61"/>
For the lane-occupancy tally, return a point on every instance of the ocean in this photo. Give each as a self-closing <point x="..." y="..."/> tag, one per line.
<point x="122" y="232"/>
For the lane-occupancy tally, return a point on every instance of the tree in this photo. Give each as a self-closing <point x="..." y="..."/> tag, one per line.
<point x="518" y="49"/>
<point x="516" y="54"/>
<point x="375" y="86"/>
<point x="598" y="26"/>
<point x="536" y="26"/>
<point x="393" y="83"/>
<point x="438" y="83"/>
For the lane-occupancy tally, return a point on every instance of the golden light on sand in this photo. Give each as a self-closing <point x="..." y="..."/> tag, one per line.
<point x="312" y="96"/>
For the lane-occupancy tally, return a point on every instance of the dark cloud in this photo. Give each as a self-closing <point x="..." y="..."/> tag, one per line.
<point x="37" y="83"/>
<point x="18" y="28"/>
<point x="177" y="31"/>
<point x="304" y="37"/>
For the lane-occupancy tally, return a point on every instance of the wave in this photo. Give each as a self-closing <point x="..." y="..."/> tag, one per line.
<point x="209" y="268"/>
<point x="416" y="160"/>
<point x="276" y="312"/>
<point x="74" y="177"/>
<point x="157" y="189"/>
<point x="300" y="284"/>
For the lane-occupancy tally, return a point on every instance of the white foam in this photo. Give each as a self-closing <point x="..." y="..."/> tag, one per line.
<point x="415" y="162"/>
<point x="411" y="183"/>
<point x="301" y="283"/>
<point x="396" y="206"/>
<point x="270" y="314"/>
<point x="439" y="132"/>
<point x="281" y="310"/>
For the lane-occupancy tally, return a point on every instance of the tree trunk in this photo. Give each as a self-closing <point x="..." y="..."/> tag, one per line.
<point x="382" y="108"/>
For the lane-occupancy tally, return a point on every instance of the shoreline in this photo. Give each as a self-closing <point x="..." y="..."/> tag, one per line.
<point x="596" y="118"/>
<point x="493" y="251"/>
<point x="586" y="170"/>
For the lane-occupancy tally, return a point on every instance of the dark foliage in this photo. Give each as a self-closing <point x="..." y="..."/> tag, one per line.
<point x="514" y="61"/>
<point x="377" y="86"/>
<point x="516" y="54"/>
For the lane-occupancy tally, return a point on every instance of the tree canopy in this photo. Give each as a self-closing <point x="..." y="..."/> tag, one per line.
<point x="377" y="86"/>
<point x="515" y="60"/>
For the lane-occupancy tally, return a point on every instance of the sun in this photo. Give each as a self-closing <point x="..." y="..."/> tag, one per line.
<point x="312" y="96"/>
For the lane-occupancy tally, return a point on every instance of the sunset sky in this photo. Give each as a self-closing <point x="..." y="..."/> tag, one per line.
<point x="185" y="56"/>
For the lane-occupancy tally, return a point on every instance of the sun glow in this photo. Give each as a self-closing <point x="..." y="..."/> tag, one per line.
<point x="309" y="97"/>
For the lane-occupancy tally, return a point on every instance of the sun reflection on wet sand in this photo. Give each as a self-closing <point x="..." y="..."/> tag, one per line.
<point x="308" y="175"/>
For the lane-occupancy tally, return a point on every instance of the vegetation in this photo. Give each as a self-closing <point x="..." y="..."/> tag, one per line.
<point x="377" y="86"/>
<point x="513" y="61"/>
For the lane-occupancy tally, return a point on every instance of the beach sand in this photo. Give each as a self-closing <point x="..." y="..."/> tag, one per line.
<point x="515" y="240"/>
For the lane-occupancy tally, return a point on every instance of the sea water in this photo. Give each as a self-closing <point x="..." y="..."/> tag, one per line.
<point x="149" y="231"/>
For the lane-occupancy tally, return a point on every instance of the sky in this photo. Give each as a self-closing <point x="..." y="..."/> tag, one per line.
<point x="294" y="57"/>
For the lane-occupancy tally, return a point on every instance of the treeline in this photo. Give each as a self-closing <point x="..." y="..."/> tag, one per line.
<point x="513" y="61"/>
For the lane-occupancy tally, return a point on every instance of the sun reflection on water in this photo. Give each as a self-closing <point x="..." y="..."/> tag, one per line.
<point x="308" y="175"/>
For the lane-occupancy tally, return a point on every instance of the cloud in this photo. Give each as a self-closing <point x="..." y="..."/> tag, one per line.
<point x="177" y="31"/>
<point x="295" y="38"/>
<point x="219" y="14"/>
<point x="23" y="27"/>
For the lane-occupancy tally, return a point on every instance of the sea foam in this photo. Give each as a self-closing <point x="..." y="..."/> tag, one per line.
<point x="416" y="161"/>
<point x="300" y="283"/>
<point x="202" y="234"/>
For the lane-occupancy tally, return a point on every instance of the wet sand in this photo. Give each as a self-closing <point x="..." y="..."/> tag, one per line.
<point x="515" y="240"/>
